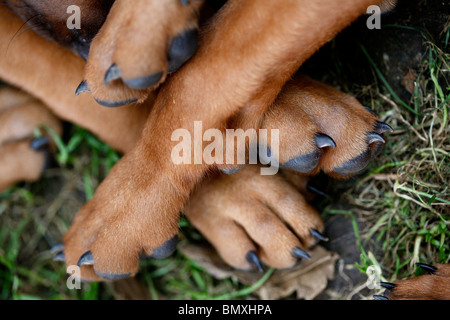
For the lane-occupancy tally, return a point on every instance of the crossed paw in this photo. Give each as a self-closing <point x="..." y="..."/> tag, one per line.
<point x="434" y="284"/>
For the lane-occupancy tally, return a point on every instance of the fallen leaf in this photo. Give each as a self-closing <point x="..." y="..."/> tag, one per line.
<point x="307" y="280"/>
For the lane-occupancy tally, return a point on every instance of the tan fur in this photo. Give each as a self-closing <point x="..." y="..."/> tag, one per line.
<point x="228" y="80"/>
<point x="136" y="38"/>
<point x="426" y="287"/>
<point x="144" y="192"/>
<point x="259" y="213"/>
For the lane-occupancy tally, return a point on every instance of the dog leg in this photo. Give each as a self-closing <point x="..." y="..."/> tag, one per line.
<point x="52" y="74"/>
<point x="433" y="285"/>
<point x="135" y="210"/>
<point x="22" y="158"/>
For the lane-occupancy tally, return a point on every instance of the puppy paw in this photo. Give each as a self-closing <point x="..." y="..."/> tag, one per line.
<point x="137" y="47"/>
<point x="433" y="285"/>
<point x="23" y="157"/>
<point x="321" y="128"/>
<point x="128" y="219"/>
<point x="254" y="219"/>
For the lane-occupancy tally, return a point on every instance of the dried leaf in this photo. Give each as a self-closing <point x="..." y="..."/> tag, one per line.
<point x="307" y="280"/>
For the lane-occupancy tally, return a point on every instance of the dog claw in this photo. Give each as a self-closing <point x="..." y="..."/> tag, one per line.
<point x="382" y="127"/>
<point x="322" y="141"/>
<point x="112" y="74"/>
<point x="57" y="248"/>
<point x="60" y="257"/>
<point x="316" y="234"/>
<point x="427" y="268"/>
<point x="376" y="297"/>
<point x="39" y="144"/>
<point x="252" y="257"/>
<point x="83" y="87"/>
<point x="316" y="191"/>
<point x="86" y="259"/>
<point x="387" y="285"/>
<point x="299" y="253"/>
<point x="370" y="110"/>
<point x="373" y="137"/>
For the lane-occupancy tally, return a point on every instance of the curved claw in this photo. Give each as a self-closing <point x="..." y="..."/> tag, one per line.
<point x="86" y="259"/>
<point x="373" y="137"/>
<point x="60" y="257"/>
<point x="83" y="87"/>
<point x="313" y="189"/>
<point x="323" y="140"/>
<point x="376" y="297"/>
<point x="427" y="268"/>
<point x="299" y="253"/>
<point x="112" y="74"/>
<point x="382" y="127"/>
<point x="316" y="234"/>
<point x="39" y="144"/>
<point x="252" y="257"/>
<point x="388" y="285"/>
<point x="57" y="248"/>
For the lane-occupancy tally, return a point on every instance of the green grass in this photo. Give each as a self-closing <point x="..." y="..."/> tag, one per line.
<point x="405" y="196"/>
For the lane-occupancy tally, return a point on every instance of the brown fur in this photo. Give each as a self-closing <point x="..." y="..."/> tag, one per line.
<point x="141" y="198"/>
<point x="426" y="287"/>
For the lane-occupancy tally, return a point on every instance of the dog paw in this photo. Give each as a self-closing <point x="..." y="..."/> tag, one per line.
<point x="23" y="157"/>
<point x="128" y="219"/>
<point x="255" y="219"/>
<point x="321" y="128"/>
<point x="433" y="285"/>
<point x="137" y="47"/>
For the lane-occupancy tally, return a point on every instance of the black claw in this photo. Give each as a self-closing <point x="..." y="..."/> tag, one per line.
<point x="387" y="285"/>
<point x="322" y="141"/>
<point x="112" y="74"/>
<point x="299" y="253"/>
<point x="382" y="127"/>
<point x="370" y="110"/>
<point x="59" y="257"/>
<point x="83" y="87"/>
<point x="86" y="259"/>
<point x="57" y="248"/>
<point x="252" y="257"/>
<point x="115" y="104"/>
<point x="144" y="82"/>
<point x="316" y="234"/>
<point x="182" y="49"/>
<point x="373" y="137"/>
<point x="39" y="144"/>
<point x="427" y="268"/>
<point x="376" y="297"/>
<point x="317" y="191"/>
